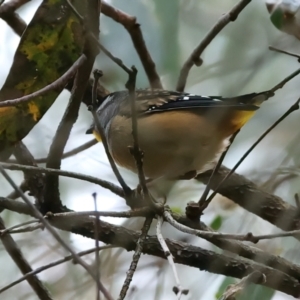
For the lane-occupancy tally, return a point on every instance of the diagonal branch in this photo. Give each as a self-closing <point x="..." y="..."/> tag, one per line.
<point x="247" y="194"/>
<point x="103" y="183"/>
<point x="51" y="265"/>
<point x="9" y="15"/>
<point x="57" y="84"/>
<point x="15" y="253"/>
<point x="136" y="257"/>
<point x="125" y="187"/>
<point x="70" y="153"/>
<point x="51" y="195"/>
<point x="194" y="58"/>
<point x="293" y="108"/>
<point x="134" y="30"/>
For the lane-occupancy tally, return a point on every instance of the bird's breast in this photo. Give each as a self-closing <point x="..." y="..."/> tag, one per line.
<point x="173" y="142"/>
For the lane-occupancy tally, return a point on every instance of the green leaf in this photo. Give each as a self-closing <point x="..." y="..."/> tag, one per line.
<point x="216" y="223"/>
<point x="176" y="209"/>
<point x="277" y="18"/>
<point x="51" y="43"/>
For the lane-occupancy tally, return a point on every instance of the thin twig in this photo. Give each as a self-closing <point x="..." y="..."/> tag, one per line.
<point x="51" y="265"/>
<point x="281" y="84"/>
<point x="136" y="152"/>
<point x="294" y="107"/>
<point x="39" y="216"/>
<point x="9" y="229"/>
<point x="125" y="187"/>
<point x="115" y="59"/>
<point x="97" y="258"/>
<point x="57" y="84"/>
<point x="235" y="289"/>
<point x="238" y="237"/>
<point x="178" y="290"/>
<point x="78" y="15"/>
<point x="67" y="154"/>
<point x="194" y="58"/>
<point x="138" y="212"/>
<point x="23" y="186"/>
<point x="134" y="30"/>
<point x="201" y="233"/>
<point x="9" y="15"/>
<point x="202" y="202"/>
<point x="135" y="258"/>
<point x="103" y="183"/>
<point x="284" y="52"/>
<point x="70" y="153"/>
<point x="52" y="200"/>
<point x="29" y="228"/>
<point x="15" y="253"/>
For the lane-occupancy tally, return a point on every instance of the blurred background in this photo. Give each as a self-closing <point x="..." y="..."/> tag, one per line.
<point x="237" y="61"/>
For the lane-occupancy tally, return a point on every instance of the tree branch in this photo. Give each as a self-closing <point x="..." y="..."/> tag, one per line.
<point x="15" y="253"/>
<point x="8" y="14"/>
<point x="133" y="28"/>
<point x="194" y="58"/>
<point x="246" y="194"/>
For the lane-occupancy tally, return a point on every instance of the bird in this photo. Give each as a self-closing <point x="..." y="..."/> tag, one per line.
<point x="179" y="134"/>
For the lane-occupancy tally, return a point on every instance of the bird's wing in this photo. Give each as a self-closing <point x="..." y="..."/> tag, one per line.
<point x="176" y="101"/>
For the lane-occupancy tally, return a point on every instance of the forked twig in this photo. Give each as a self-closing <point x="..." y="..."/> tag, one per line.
<point x="135" y="258"/>
<point x="194" y="58"/>
<point x="178" y="290"/>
